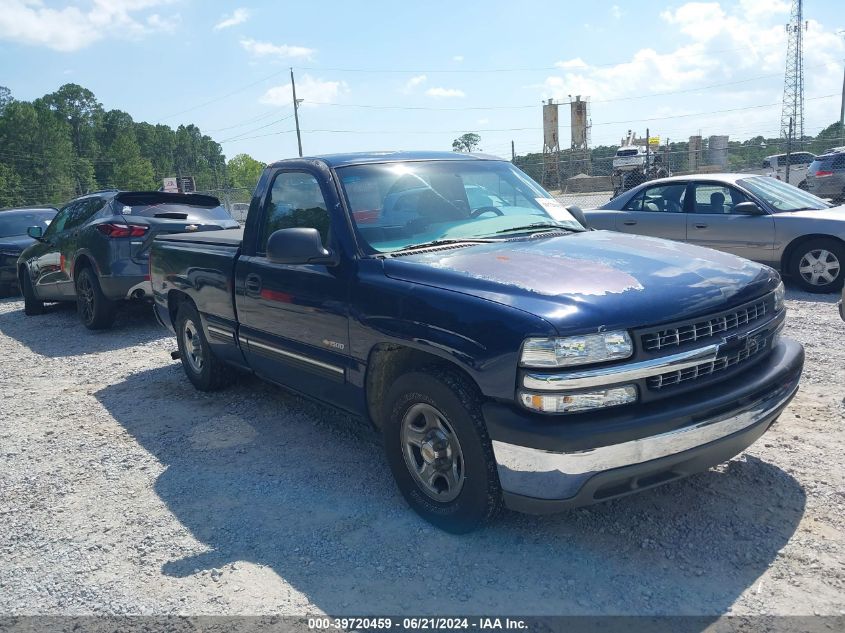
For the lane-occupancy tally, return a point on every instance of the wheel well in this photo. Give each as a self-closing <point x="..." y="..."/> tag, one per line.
<point x="389" y="361"/>
<point x="83" y="261"/>
<point x="794" y="245"/>
<point x="175" y="298"/>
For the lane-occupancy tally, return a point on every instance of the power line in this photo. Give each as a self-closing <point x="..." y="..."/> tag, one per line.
<point x="505" y="70"/>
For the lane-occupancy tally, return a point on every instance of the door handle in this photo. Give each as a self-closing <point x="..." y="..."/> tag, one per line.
<point x="253" y="283"/>
<point x="701" y="226"/>
<point x="629" y="222"/>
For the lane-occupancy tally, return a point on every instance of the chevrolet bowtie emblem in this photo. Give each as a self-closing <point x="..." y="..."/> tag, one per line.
<point x="191" y="227"/>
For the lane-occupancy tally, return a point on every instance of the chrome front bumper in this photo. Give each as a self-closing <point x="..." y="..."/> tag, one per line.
<point x="544" y="475"/>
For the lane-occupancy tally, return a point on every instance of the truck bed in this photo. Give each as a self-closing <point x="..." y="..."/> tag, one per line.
<point x="200" y="265"/>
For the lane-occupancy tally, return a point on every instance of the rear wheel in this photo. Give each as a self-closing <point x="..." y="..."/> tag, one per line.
<point x="817" y="265"/>
<point x="437" y="446"/>
<point x="95" y="310"/>
<point x="32" y="305"/>
<point x="203" y="368"/>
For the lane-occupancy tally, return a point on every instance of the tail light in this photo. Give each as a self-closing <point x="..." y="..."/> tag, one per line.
<point x="823" y="174"/>
<point x="123" y="230"/>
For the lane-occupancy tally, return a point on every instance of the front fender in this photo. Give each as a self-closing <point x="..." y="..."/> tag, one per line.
<point x="481" y="337"/>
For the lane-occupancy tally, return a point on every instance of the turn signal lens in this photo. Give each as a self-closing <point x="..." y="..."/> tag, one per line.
<point x="574" y="402"/>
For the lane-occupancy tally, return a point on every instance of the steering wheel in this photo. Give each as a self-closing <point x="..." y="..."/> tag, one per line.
<point x="482" y="210"/>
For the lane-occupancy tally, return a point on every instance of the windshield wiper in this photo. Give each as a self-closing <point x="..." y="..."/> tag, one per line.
<point x="535" y="225"/>
<point x="470" y="240"/>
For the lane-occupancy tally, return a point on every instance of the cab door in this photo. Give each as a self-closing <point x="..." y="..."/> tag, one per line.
<point x="712" y="222"/>
<point x="657" y="211"/>
<point x="293" y="319"/>
<point x="47" y="268"/>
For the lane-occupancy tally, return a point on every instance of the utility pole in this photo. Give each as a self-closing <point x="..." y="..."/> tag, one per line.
<point x="841" y="32"/>
<point x="513" y="151"/>
<point x="647" y="146"/>
<point x="296" y="112"/>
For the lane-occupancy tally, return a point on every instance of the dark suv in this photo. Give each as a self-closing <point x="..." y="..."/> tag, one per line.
<point x="96" y="250"/>
<point x="826" y="175"/>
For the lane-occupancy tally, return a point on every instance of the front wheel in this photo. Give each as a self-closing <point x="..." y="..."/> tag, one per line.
<point x="95" y="310"/>
<point x="203" y="368"/>
<point x="439" y="452"/>
<point x="817" y="265"/>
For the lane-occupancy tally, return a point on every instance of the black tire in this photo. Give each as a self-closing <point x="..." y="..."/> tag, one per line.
<point x="830" y="252"/>
<point x="32" y="305"/>
<point x="96" y="311"/>
<point x="479" y="496"/>
<point x="803" y="185"/>
<point x="202" y="367"/>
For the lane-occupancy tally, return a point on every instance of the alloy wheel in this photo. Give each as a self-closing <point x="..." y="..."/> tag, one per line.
<point x="85" y="295"/>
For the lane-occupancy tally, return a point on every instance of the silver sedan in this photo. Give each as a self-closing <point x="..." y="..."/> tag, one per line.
<point x="757" y="217"/>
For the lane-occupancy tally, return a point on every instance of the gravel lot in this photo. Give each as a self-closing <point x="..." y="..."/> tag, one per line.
<point x="123" y="490"/>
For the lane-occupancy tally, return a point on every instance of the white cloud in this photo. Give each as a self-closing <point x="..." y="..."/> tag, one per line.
<point x="413" y="83"/>
<point x="483" y="121"/>
<point x="458" y="58"/>
<point x="572" y="63"/>
<point x="264" y="49"/>
<point x="239" y="16"/>
<point x="616" y="12"/>
<point x="311" y="90"/>
<point x="72" y="28"/>
<point x="445" y="93"/>
<point x="717" y="50"/>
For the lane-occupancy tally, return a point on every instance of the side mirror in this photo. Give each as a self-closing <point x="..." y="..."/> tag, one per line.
<point x="748" y="208"/>
<point x="577" y="213"/>
<point x="298" y="246"/>
<point x="35" y="232"/>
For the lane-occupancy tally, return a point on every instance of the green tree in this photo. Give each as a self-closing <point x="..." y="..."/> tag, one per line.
<point x="244" y="171"/>
<point x="131" y="170"/>
<point x="11" y="187"/>
<point x="466" y="143"/>
<point x="5" y="98"/>
<point x="36" y="145"/>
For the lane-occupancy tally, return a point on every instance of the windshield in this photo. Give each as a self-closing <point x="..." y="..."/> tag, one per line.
<point x="400" y="205"/>
<point x="13" y="223"/>
<point x="780" y="196"/>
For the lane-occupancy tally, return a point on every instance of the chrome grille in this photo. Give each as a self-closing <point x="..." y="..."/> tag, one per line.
<point x="691" y="332"/>
<point x="754" y="346"/>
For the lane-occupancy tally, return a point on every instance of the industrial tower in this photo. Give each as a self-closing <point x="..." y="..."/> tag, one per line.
<point x="793" y="81"/>
<point x="551" y="147"/>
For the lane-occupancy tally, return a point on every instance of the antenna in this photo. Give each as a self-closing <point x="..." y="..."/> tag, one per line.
<point x="793" y="81"/>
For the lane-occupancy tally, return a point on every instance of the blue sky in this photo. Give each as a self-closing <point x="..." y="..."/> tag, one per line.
<point x="425" y="71"/>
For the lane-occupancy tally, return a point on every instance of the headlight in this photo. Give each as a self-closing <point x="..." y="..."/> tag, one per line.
<point x="576" y="350"/>
<point x="780" y="292"/>
<point x="572" y="402"/>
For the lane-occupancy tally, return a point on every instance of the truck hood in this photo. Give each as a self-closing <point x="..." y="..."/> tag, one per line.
<point x="596" y="279"/>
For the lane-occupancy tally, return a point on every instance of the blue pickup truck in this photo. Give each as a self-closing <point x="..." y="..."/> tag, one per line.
<point x="507" y="354"/>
